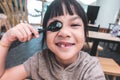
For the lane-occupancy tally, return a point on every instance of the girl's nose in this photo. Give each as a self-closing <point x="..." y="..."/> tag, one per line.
<point x="64" y="32"/>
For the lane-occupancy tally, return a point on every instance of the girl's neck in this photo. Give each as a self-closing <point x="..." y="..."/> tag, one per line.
<point x="66" y="63"/>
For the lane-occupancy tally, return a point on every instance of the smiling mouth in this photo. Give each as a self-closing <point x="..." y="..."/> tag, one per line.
<point x="64" y="44"/>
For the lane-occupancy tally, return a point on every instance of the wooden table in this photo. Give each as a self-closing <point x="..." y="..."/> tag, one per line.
<point x="110" y="67"/>
<point x="99" y="36"/>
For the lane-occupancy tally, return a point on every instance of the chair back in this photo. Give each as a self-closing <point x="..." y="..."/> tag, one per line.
<point x="111" y="25"/>
<point x="16" y="10"/>
<point x="93" y="28"/>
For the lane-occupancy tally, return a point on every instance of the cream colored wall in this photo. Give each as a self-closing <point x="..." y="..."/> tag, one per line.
<point x="108" y="12"/>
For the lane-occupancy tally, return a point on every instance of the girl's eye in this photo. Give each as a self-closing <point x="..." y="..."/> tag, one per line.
<point x="75" y="25"/>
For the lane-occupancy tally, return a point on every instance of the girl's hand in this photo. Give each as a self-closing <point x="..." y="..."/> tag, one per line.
<point x="23" y="32"/>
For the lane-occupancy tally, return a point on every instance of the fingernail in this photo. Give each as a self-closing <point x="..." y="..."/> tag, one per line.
<point x="37" y="36"/>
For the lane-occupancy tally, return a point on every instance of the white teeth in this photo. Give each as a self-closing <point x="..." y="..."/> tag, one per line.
<point x="62" y="45"/>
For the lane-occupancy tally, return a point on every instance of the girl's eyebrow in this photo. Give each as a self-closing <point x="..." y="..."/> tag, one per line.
<point x="73" y="18"/>
<point x="54" y="19"/>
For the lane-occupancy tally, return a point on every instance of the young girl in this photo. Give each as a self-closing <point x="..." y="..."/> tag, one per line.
<point x="63" y="58"/>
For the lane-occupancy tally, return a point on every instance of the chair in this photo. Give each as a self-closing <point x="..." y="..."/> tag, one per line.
<point x="111" y="46"/>
<point x="111" y="25"/>
<point x="87" y="47"/>
<point x="92" y="27"/>
<point x="90" y="43"/>
<point x="16" y="10"/>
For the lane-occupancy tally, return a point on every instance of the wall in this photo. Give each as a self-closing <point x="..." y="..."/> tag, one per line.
<point x="108" y="12"/>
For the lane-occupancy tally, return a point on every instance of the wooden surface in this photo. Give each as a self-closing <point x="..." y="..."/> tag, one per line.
<point x="109" y="66"/>
<point x="103" y="36"/>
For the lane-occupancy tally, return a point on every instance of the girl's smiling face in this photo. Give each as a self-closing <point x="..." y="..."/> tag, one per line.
<point x="68" y="41"/>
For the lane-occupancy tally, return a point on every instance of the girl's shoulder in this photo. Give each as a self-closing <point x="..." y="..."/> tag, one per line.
<point x="86" y="57"/>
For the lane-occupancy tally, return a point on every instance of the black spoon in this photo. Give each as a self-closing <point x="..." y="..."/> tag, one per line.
<point x="54" y="26"/>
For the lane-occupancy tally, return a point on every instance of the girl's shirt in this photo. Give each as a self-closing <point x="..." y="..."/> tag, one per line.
<point x="43" y="66"/>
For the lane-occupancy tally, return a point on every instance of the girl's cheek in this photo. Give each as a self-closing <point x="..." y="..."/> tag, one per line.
<point x="49" y="35"/>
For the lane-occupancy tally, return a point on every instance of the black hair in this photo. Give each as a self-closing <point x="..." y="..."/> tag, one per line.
<point x="56" y="9"/>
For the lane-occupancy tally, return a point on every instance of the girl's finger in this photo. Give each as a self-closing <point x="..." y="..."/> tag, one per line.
<point x="34" y="31"/>
<point x="20" y="36"/>
<point x="27" y="31"/>
<point x="22" y="33"/>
